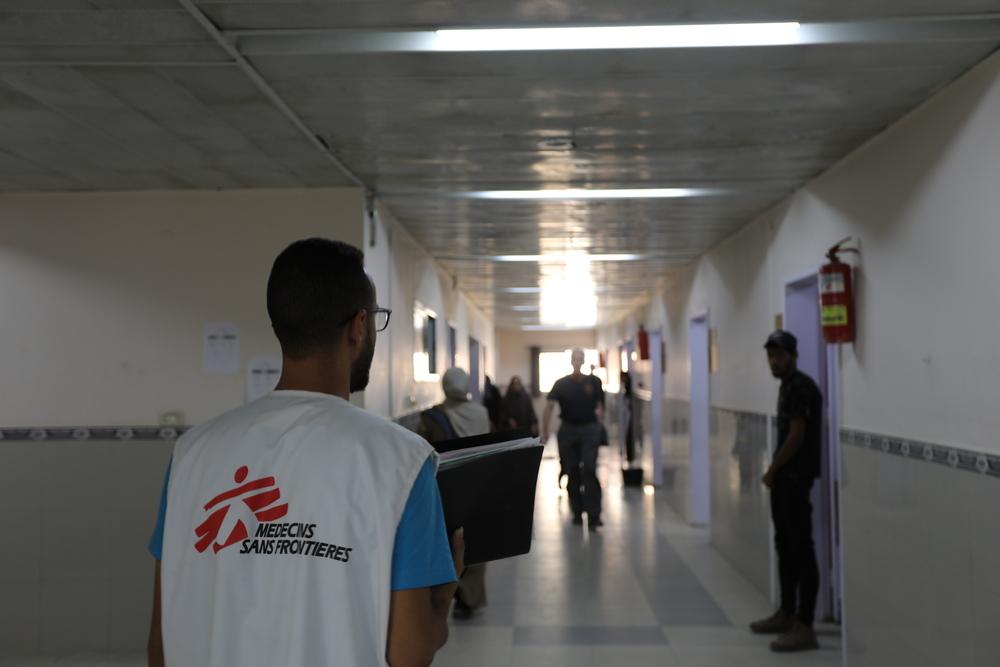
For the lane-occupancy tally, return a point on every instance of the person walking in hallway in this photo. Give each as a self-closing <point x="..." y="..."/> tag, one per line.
<point x="517" y="412"/>
<point x="580" y="398"/>
<point x="492" y="400"/>
<point x="790" y="478"/>
<point x="459" y="417"/>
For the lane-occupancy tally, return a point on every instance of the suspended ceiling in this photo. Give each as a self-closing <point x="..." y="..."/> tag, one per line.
<point x="139" y="94"/>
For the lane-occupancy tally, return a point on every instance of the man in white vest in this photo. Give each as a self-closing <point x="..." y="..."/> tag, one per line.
<point x="300" y="530"/>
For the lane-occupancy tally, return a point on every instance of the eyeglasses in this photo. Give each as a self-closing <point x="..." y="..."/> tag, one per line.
<point x="381" y="316"/>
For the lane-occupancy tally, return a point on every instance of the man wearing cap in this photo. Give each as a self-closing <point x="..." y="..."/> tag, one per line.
<point x="790" y="478"/>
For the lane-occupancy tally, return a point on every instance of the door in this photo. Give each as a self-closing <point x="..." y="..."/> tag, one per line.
<point x="656" y="409"/>
<point x="802" y="318"/>
<point x="452" y="346"/>
<point x="700" y="492"/>
<point x="475" y="379"/>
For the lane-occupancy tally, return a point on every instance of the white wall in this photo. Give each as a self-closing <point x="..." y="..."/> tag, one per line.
<point x="104" y="296"/>
<point x="405" y="273"/>
<point x="922" y="198"/>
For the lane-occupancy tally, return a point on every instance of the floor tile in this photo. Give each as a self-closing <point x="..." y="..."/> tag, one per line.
<point x="583" y="635"/>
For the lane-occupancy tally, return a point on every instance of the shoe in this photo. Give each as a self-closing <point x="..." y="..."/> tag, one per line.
<point x="577" y="520"/>
<point x="594" y="524"/>
<point x="777" y="624"/>
<point x="800" y="638"/>
<point x="462" y="611"/>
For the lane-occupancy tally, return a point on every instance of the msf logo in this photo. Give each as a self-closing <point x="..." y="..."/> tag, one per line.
<point x="259" y="496"/>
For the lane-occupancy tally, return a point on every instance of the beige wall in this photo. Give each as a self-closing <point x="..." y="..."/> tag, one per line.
<point x="105" y="296"/>
<point x="923" y="200"/>
<point x="514" y="356"/>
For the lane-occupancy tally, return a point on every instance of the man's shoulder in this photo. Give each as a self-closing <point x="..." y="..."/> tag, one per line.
<point x="384" y="428"/>
<point x="804" y="381"/>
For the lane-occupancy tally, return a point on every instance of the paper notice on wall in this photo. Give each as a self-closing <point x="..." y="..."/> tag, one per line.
<point x="262" y="376"/>
<point x="221" y="351"/>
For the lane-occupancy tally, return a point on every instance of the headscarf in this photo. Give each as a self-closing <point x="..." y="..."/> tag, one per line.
<point x="466" y="417"/>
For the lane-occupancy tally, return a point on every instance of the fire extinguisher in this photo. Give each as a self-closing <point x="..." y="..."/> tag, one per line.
<point x="643" y="343"/>
<point x="836" y="297"/>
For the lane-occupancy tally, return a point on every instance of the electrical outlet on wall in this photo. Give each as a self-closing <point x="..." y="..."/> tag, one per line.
<point x="173" y="418"/>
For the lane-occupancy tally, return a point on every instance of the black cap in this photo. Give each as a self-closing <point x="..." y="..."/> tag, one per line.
<point x="782" y="340"/>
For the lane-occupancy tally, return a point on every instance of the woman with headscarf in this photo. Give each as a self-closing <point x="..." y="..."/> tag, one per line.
<point x="517" y="410"/>
<point x="459" y="417"/>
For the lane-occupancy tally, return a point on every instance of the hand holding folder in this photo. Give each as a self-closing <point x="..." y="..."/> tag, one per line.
<point x="489" y="490"/>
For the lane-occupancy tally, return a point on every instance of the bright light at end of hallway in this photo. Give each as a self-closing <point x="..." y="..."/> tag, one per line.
<point x="569" y="296"/>
<point x="576" y="194"/>
<point x="618" y="37"/>
<point x="649" y="490"/>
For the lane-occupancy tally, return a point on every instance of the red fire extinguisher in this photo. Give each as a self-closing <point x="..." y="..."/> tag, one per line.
<point x="643" y="343"/>
<point x="836" y="296"/>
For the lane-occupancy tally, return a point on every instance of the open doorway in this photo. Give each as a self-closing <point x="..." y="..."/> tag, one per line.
<point x="818" y="360"/>
<point x="701" y="481"/>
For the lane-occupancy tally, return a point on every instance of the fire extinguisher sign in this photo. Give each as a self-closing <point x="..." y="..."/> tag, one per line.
<point x="831" y="283"/>
<point x="834" y="316"/>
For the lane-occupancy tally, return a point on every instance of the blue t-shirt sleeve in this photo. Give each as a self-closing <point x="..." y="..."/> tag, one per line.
<point x="156" y="541"/>
<point x="421" y="557"/>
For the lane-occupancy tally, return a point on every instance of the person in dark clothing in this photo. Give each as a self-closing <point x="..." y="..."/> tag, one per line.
<point x="628" y="402"/>
<point x="581" y="399"/>
<point x="517" y="411"/>
<point x="790" y="478"/>
<point x="492" y="401"/>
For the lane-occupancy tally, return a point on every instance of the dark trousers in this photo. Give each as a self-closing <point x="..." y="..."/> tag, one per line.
<point x="791" y="510"/>
<point x="578" y="445"/>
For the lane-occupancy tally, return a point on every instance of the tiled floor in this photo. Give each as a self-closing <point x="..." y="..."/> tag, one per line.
<point x="647" y="590"/>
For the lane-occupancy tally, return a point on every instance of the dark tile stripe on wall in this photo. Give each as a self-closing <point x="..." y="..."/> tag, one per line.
<point x="953" y="457"/>
<point x="124" y="433"/>
<point x="84" y="433"/>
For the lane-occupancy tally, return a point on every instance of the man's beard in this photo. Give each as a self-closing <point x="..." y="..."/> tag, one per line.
<point x="361" y="370"/>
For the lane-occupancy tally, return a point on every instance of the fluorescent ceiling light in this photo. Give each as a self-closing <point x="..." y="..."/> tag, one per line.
<point x="549" y="327"/>
<point x="521" y="290"/>
<point x="558" y="258"/>
<point x="283" y="42"/>
<point x="590" y="193"/>
<point x="618" y="37"/>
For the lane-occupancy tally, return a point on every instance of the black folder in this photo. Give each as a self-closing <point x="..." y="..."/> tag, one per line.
<point x="443" y="446"/>
<point x="493" y="499"/>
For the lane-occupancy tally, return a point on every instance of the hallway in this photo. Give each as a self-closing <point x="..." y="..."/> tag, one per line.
<point x="646" y="590"/>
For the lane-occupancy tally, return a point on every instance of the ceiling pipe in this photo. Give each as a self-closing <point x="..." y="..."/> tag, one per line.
<point x="272" y="95"/>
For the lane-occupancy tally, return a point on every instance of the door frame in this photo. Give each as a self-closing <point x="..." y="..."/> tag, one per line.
<point x="832" y="428"/>
<point x="700" y="512"/>
<point x="656" y="407"/>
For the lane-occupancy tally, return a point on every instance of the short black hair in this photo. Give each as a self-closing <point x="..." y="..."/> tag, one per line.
<point x="316" y="286"/>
